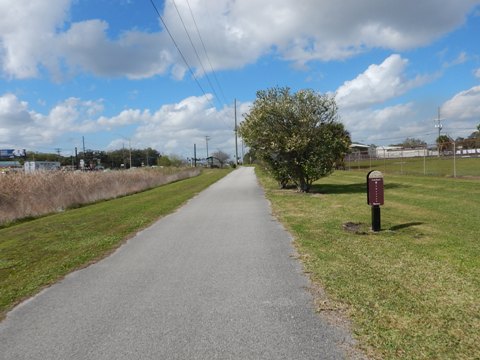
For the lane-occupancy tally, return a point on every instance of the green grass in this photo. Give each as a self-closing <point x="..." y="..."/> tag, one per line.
<point x="411" y="290"/>
<point x="431" y="166"/>
<point x="37" y="253"/>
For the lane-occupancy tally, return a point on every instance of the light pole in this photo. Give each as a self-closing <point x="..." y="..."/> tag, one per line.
<point x="206" y="142"/>
<point x="439" y="126"/>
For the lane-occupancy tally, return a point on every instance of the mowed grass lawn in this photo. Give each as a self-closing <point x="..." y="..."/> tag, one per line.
<point x="430" y="166"/>
<point x="37" y="253"/>
<point x="411" y="290"/>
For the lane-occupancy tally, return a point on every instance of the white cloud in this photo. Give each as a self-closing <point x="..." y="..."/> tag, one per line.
<point x="382" y="125"/>
<point x="460" y="59"/>
<point x="37" y="34"/>
<point x="18" y="125"/>
<point x="378" y="84"/>
<point x="173" y="128"/>
<point x="24" y="127"/>
<point x="477" y="73"/>
<point x="360" y="99"/>
<point x="27" y="35"/>
<point x="393" y="124"/>
<point x="464" y="106"/>
<point x="134" y="55"/>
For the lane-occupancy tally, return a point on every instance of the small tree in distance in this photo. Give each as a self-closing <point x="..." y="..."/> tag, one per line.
<point x="413" y="143"/>
<point x="297" y="136"/>
<point x="170" y="160"/>
<point x="444" y="143"/>
<point x="221" y="156"/>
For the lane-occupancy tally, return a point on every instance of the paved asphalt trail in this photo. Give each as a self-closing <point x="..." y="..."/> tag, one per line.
<point x="215" y="280"/>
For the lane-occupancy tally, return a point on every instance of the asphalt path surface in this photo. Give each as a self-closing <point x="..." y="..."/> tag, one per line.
<point x="217" y="279"/>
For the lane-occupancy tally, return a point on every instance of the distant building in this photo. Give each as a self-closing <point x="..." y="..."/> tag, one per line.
<point x="399" y="152"/>
<point x="32" y="166"/>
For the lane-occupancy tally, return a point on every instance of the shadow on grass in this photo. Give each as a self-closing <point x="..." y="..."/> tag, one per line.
<point x="406" y="225"/>
<point x="355" y="188"/>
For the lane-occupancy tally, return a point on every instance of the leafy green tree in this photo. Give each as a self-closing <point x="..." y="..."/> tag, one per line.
<point x="171" y="160"/>
<point x="250" y="157"/>
<point x="297" y="135"/>
<point x="444" y="143"/>
<point x="164" y="160"/>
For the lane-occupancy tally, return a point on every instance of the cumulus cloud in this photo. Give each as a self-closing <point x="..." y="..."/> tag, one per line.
<point x="39" y="34"/>
<point x="173" y="128"/>
<point x="380" y="126"/>
<point x="377" y="84"/>
<point x="28" y="32"/>
<point x="370" y="124"/>
<point x="463" y="106"/>
<point x="135" y="55"/>
<point x="477" y="73"/>
<point x="360" y="102"/>
<point x="176" y="127"/>
<point x="22" y="126"/>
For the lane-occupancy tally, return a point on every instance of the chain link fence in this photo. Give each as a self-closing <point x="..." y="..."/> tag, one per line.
<point x="451" y="160"/>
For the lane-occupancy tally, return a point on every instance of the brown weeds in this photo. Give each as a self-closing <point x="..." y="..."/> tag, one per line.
<point x="31" y="195"/>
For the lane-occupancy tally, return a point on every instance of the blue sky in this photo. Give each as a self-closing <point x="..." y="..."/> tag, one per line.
<point x="107" y="70"/>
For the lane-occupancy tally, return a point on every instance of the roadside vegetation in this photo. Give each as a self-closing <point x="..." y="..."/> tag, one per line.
<point x="297" y="136"/>
<point x="27" y="195"/>
<point x="37" y="253"/>
<point x="411" y="290"/>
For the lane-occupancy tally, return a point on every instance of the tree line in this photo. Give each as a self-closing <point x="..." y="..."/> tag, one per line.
<point x="114" y="159"/>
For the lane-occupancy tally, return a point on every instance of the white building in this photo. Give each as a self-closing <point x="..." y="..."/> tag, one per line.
<point x="399" y="152"/>
<point x="32" y="166"/>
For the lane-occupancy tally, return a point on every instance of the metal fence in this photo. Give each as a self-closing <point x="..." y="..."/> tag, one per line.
<point x="451" y="160"/>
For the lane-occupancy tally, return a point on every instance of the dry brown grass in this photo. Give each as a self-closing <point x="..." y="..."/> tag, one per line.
<point x="31" y="195"/>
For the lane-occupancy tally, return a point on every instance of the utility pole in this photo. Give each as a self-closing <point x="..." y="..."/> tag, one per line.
<point x="76" y="158"/>
<point x="58" y="150"/>
<point x="123" y="155"/>
<point x="84" y="157"/>
<point x="195" y="155"/>
<point x="236" y="134"/>
<point x="206" y="141"/>
<point x="130" y="146"/>
<point x="439" y="126"/>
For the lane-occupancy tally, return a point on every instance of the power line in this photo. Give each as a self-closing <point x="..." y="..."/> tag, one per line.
<point x="183" y="57"/>
<point x="180" y="52"/>
<point x="195" y="50"/>
<point x="206" y="53"/>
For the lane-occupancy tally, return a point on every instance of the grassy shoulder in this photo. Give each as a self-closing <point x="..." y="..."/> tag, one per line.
<point x="412" y="289"/>
<point x="430" y="166"/>
<point x="37" y="253"/>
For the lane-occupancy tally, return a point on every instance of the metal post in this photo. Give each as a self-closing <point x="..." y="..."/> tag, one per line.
<point x="236" y="134"/>
<point x="424" y="160"/>
<point x="384" y="161"/>
<point x="195" y="155"/>
<point x="376" y="223"/>
<point x="206" y="142"/>
<point x="130" y="146"/>
<point x="76" y="159"/>
<point x="439" y="126"/>
<point x="454" y="160"/>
